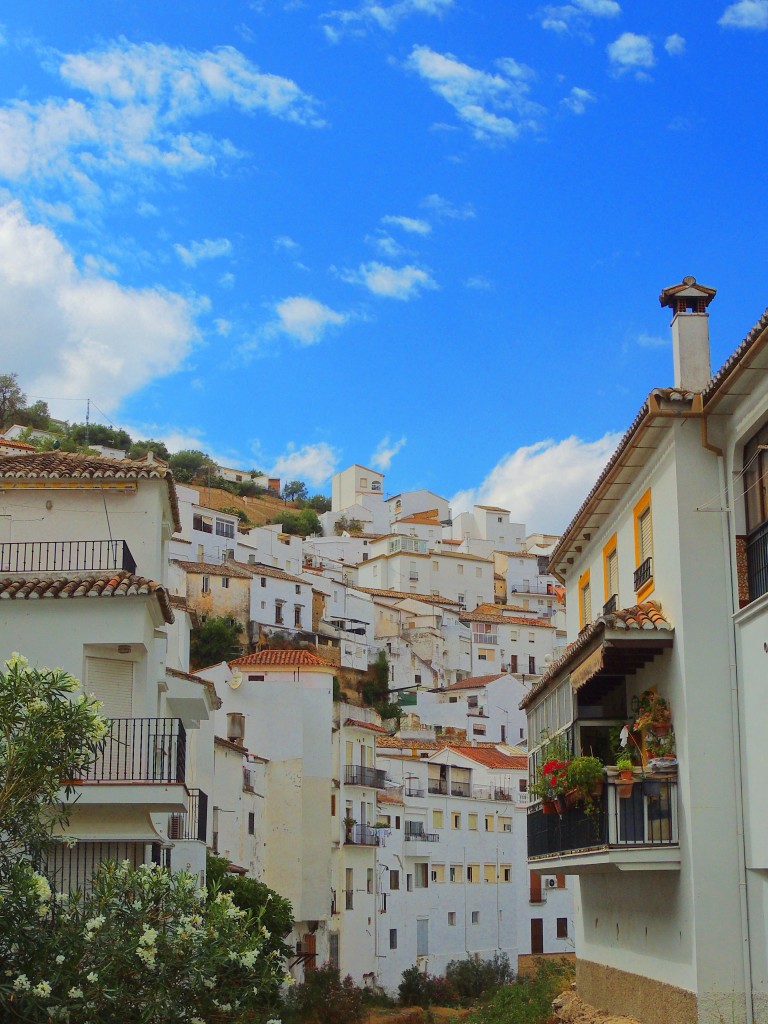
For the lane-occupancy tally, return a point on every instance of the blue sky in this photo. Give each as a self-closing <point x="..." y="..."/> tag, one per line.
<point x="427" y="235"/>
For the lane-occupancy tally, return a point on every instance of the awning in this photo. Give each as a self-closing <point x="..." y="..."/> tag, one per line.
<point x="586" y="669"/>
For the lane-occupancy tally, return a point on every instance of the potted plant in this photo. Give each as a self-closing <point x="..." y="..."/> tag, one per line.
<point x="349" y="824"/>
<point x="584" y="778"/>
<point x="653" y="714"/>
<point x="624" y="765"/>
<point x="548" y="783"/>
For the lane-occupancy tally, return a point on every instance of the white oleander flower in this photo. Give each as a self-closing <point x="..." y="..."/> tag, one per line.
<point x="75" y="993"/>
<point x="42" y="990"/>
<point x="95" y="923"/>
<point x="60" y="958"/>
<point x="92" y="977"/>
<point x="22" y="983"/>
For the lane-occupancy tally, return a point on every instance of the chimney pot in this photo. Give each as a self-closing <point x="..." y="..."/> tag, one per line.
<point x="690" y="332"/>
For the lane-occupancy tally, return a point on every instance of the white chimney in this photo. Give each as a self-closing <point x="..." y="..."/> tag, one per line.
<point x="690" y="332"/>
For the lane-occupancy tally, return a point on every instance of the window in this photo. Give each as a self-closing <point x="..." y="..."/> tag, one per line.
<point x="452" y="917"/>
<point x="263" y="581"/>
<point x="478" y="730"/>
<point x="473" y="873"/>
<point x="206" y="584"/>
<point x="435" y="566"/>
<point x="643" y="546"/>
<point x="394" y="880"/>
<point x="472" y="822"/>
<point x="489" y="873"/>
<point x="505" y="823"/>
<point x="611" y="570"/>
<point x="505" y="872"/>
<point x="585" y="600"/>
<point x="298" y="588"/>
<point x="397" y="821"/>
<point x="297" y="616"/>
<point x="486" y="654"/>
<point x="369" y="880"/>
<point x="224" y="528"/>
<point x="393" y="938"/>
<point x="531" y="636"/>
<point x="562" y="927"/>
<point x="333" y="805"/>
<point x="454" y="873"/>
<point x="349" y="893"/>
<point x="513" y="663"/>
<point x="225" y="582"/>
<point x="478" y="572"/>
<point x="437" y="819"/>
<point x="489" y="823"/>
<point x="408" y="882"/>
<point x="438" y="873"/>
<point x="202" y="523"/>
<point x="279" y="612"/>
<point x="475" y="917"/>
<point x="375" y="485"/>
<point x="333" y="949"/>
<point x="456" y="820"/>
<point x="532" y="665"/>
<point x="363" y="481"/>
<point x="422" y="875"/>
<point x="251" y="823"/>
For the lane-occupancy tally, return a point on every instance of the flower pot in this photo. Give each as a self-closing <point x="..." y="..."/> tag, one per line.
<point x="561" y="804"/>
<point x="597" y="789"/>
<point x="627" y="775"/>
<point x="548" y="807"/>
<point x="651" y="787"/>
<point x="661" y="728"/>
<point x="572" y="797"/>
<point x="624" y="789"/>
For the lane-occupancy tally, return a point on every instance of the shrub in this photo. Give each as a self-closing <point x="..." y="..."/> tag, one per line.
<point x="474" y="977"/>
<point x="527" y="1000"/>
<point x="421" y="989"/>
<point x="324" y="997"/>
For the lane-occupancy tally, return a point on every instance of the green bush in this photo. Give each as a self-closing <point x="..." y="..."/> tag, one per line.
<point x="324" y="997"/>
<point x="421" y="989"/>
<point x="527" y="1000"/>
<point x="474" y="977"/>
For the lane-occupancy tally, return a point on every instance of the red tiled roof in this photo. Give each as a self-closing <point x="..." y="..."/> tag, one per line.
<point x="645" y="616"/>
<point x="21" y="445"/>
<point x="388" y="798"/>
<point x="399" y="595"/>
<point x="259" y="569"/>
<point x="495" y="613"/>
<point x="294" y="658"/>
<point x="118" y="584"/>
<point x="178" y="674"/>
<point x="213" y="569"/>
<point x="365" y="725"/>
<point x="490" y="757"/>
<point x="473" y="682"/>
<point x="68" y="466"/>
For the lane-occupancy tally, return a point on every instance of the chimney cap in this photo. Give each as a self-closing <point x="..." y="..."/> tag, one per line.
<point x="689" y="290"/>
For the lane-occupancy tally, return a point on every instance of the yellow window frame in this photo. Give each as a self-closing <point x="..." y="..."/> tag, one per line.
<point x="643" y="504"/>
<point x="583" y="584"/>
<point x="608" y="550"/>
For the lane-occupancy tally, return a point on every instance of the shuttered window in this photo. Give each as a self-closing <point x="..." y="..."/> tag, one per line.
<point x="612" y="573"/>
<point x="111" y="681"/>
<point x="644" y="535"/>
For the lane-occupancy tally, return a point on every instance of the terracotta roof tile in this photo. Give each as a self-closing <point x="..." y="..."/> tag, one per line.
<point x="490" y="757"/>
<point x="259" y="569"/>
<point x="365" y="725"/>
<point x="388" y="798"/>
<point x="178" y="674"/>
<point x="733" y="361"/>
<point x="213" y="569"/>
<point x="645" y="616"/>
<point x="21" y="446"/>
<point x="473" y="682"/>
<point x="495" y="613"/>
<point x="294" y="658"/>
<point x="117" y="584"/>
<point x="68" y="466"/>
<point x="399" y="595"/>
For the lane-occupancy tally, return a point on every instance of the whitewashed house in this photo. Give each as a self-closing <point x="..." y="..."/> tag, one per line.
<point x="485" y="707"/>
<point x="508" y="640"/>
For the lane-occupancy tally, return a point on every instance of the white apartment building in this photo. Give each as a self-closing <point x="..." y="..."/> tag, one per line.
<point x="486" y="528"/>
<point x="485" y="707"/>
<point x="409" y="503"/>
<point x="343" y="618"/>
<point x="670" y="542"/>
<point x="506" y="639"/>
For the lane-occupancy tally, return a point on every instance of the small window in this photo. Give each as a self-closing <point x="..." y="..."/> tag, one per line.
<point x="456" y="820"/>
<point x="473" y="873"/>
<point x="562" y="927"/>
<point x="505" y="872"/>
<point x="393" y="938"/>
<point x="438" y="873"/>
<point x="475" y="917"/>
<point x="408" y="882"/>
<point x="225" y="582"/>
<point x="298" y="588"/>
<point x="452" y="917"/>
<point x="394" y="881"/>
<point x="369" y="880"/>
<point x="279" y="613"/>
<point x="472" y="822"/>
<point x="437" y="819"/>
<point x="251" y="823"/>
<point x="263" y="581"/>
<point x="454" y="873"/>
<point x="532" y="665"/>
<point x="489" y="823"/>
<point x="206" y="585"/>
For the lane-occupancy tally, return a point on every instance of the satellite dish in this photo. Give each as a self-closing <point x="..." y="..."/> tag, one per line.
<point x="235" y="679"/>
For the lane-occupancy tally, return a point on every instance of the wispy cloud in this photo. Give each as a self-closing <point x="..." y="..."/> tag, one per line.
<point x="576" y="101"/>
<point x="645" y="340"/>
<point x="631" y="52"/>
<point x="306" y="320"/>
<point x="674" y="45"/>
<point x="444" y="209"/>
<point x="284" y="243"/>
<point x="576" y="16"/>
<point x="386" y="245"/>
<point x="478" y="283"/>
<point x="391" y="282"/>
<point x="413" y="225"/>
<point x="748" y="14"/>
<point x="313" y="463"/>
<point x="209" y="249"/>
<point x="135" y="115"/>
<point x="372" y="14"/>
<point x="524" y="480"/>
<point x="77" y="334"/>
<point x="386" y="450"/>
<point x="480" y="98"/>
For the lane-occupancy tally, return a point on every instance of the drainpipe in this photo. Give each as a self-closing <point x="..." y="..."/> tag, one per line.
<point x="735" y="724"/>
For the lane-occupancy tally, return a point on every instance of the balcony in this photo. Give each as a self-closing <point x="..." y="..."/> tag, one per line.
<point x="757" y="562"/>
<point x="69" y="868"/>
<point x="643" y="573"/>
<point x="194" y="824"/>
<point x="610" y="605"/>
<point x="496" y="793"/>
<point x="48" y="556"/>
<point x="357" y="775"/>
<point x="362" y="835"/>
<point x="461" y="788"/>
<point x="636" y="832"/>
<point x="439" y="786"/>
<point x="422" y="837"/>
<point x="413" y="791"/>
<point x="491" y="639"/>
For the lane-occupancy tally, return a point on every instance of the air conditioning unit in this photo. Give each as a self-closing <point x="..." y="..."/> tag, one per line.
<point x="551" y="883"/>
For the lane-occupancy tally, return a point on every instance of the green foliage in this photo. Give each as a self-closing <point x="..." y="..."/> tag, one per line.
<point x="35" y="415"/>
<point x="418" y="988"/>
<point x="216" y="640"/>
<point x="273" y="911"/>
<point x="232" y="510"/>
<point x="190" y="463"/>
<point x="97" y="433"/>
<point x="295" y="490"/>
<point x="140" y="448"/>
<point x="526" y="1001"/>
<point x="475" y="978"/>
<point x="344" y="525"/>
<point x="12" y="398"/>
<point x="583" y="774"/>
<point x="142" y="945"/>
<point x="61" y="442"/>
<point x="319" y="502"/>
<point x="325" y="998"/>
<point x="301" y="523"/>
<point x="336" y="689"/>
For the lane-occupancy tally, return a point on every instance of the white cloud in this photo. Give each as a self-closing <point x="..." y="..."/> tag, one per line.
<point x="386" y="450"/>
<point x="208" y="249"/>
<point x="631" y="52"/>
<point x="576" y="16"/>
<point x="135" y="114"/>
<point x="305" y="319"/>
<point x="75" y="335"/>
<point x="749" y="14"/>
<point x="413" y="225"/>
<point x="372" y="13"/>
<point x="526" y="480"/>
<point x="391" y="282"/>
<point x="476" y="96"/>
<point x="284" y="243"/>
<point x="386" y="245"/>
<point x="645" y="340"/>
<point x="444" y="209"/>
<point x="313" y="463"/>
<point x="674" y="45"/>
<point x="577" y="99"/>
<point x="478" y="283"/>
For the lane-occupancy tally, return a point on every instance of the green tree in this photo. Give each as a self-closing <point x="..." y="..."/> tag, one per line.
<point x="319" y="502"/>
<point x="97" y="433"/>
<point x="140" y="448"/>
<point x="301" y="523"/>
<point x="35" y="415"/>
<point x="273" y="911"/>
<point x="12" y="398"/>
<point x="295" y="490"/>
<point x="215" y="640"/>
<point x="232" y="510"/>
<point x="190" y="463"/>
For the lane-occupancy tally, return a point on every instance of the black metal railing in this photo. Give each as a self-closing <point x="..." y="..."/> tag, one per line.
<point x="140" y="750"/>
<point x="65" y="556"/>
<point x="358" y="775"/>
<point x="460" y="788"/>
<point x="412" y="791"/>
<point x="193" y="824"/>
<point x="494" y="793"/>
<point x="610" y="605"/>
<point x="626" y="815"/>
<point x="69" y="868"/>
<point x="438" y="786"/>
<point x="422" y="837"/>
<point x="757" y="562"/>
<point x="643" y="573"/>
<point x="363" y="835"/>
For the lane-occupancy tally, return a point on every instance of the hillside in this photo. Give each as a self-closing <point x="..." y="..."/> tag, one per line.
<point x="259" y="510"/>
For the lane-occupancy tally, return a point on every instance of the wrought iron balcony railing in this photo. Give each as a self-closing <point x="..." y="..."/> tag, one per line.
<point x="438" y="786"/>
<point x="69" y="868"/>
<point x="643" y="573"/>
<point x="422" y="837"/>
<point x="460" y="788"/>
<point x="358" y="775"/>
<point x="363" y="835"/>
<point x="140" y="750"/>
<point x="757" y="562"/>
<point x="193" y="824"/>
<point x="46" y="556"/>
<point x="610" y="605"/>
